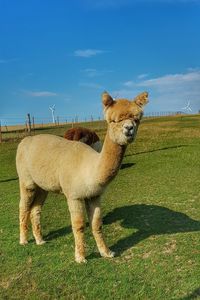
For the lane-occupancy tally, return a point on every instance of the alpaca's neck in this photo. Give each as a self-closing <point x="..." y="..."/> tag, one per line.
<point x="110" y="160"/>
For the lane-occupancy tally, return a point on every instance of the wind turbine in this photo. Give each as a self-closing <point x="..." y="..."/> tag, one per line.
<point x="187" y="107"/>
<point x="52" y="108"/>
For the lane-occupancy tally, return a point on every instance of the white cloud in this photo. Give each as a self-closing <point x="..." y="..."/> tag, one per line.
<point x="87" y="52"/>
<point x="172" y="79"/>
<point x="169" y="92"/>
<point x="94" y="73"/>
<point x="40" y="94"/>
<point x="132" y="83"/>
<point x="129" y="83"/>
<point x="174" y="90"/>
<point x="166" y="80"/>
<point x="5" y="61"/>
<point x="141" y="76"/>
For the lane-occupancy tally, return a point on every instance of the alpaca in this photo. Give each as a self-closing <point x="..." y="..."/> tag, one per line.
<point x="84" y="135"/>
<point x="51" y="163"/>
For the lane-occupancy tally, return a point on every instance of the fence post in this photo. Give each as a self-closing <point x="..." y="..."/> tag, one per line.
<point x="33" y="123"/>
<point x="0" y="133"/>
<point x="29" y="123"/>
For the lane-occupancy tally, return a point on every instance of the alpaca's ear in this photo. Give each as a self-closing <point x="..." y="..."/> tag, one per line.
<point x="107" y="100"/>
<point x="141" y="99"/>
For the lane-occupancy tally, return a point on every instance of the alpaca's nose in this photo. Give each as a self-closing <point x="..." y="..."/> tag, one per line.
<point x="128" y="129"/>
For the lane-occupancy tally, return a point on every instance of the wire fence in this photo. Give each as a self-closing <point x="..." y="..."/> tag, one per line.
<point x="20" y="119"/>
<point x="12" y="120"/>
<point x="28" y="123"/>
<point x="16" y="127"/>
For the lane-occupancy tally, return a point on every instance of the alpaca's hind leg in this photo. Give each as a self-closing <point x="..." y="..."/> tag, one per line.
<point x="76" y="208"/>
<point x="27" y="195"/>
<point x="36" y="208"/>
<point x="94" y="214"/>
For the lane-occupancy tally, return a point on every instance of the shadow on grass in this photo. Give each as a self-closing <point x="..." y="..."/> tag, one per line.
<point x="159" y="149"/>
<point x="193" y="295"/>
<point x="54" y="234"/>
<point x="127" y="165"/>
<point x="148" y="220"/>
<point x="9" y="179"/>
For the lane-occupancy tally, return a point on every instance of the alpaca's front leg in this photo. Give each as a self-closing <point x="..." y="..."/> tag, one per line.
<point x="26" y="198"/>
<point x="76" y="208"/>
<point x="94" y="214"/>
<point x="36" y="208"/>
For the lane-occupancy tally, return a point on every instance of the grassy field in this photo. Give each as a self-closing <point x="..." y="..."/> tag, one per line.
<point x="151" y="220"/>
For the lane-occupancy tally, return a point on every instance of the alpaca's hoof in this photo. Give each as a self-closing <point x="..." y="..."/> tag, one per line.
<point x="80" y="260"/>
<point x="39" y="243"/>
<point x="109" y="254"/>
<point x="23" y="242"/>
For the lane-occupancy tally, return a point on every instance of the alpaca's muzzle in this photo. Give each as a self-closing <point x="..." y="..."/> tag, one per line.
<point x="128" y="130"/>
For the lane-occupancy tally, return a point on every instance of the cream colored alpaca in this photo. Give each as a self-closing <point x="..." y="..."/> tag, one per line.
<point x="50" y="163"/>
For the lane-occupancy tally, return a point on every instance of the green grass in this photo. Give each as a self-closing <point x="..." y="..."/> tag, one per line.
<point x="151" y="219"/>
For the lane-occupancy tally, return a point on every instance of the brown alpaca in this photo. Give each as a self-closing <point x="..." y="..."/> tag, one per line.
<point x="82" y="177"/>
<point x="84" y="135"/>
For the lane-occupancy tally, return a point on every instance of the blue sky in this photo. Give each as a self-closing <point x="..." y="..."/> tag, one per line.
<point x="68" y="52"/>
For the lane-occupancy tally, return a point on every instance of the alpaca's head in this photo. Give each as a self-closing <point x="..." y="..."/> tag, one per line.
<point x="123" y="117"/>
